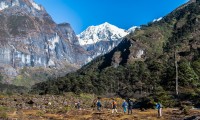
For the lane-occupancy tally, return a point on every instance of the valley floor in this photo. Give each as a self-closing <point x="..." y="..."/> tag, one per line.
<point x="168" y="114"/>
<point x="62" y="107"/>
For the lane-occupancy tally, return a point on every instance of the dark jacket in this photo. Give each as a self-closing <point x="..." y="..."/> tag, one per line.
<point x="98" y="104"/>
<point x="130" y="104"/>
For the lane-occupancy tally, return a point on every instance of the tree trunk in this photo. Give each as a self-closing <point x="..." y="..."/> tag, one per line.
<point x="176" y="66"/>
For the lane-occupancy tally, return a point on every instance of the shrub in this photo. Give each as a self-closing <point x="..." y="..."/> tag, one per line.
<point x="39" y="113"/>
<point x="3" y="109"/>
<point x="3" y="115"/>
<point x="65" y="109"/>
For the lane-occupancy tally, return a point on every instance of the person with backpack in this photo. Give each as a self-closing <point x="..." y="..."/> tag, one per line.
<point x="78" y="106"/>
<point x="99" y="105"/>
<point x="124" y="106"/>
<point x="130" y="106"/>
<point x="159" y="108"/>
<point x="114" y="106"/>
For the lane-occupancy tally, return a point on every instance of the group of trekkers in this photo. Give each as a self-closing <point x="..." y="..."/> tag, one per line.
<point x="127" y="105"/>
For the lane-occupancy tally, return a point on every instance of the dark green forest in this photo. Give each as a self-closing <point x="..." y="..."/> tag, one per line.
<point x="175" y="38"/>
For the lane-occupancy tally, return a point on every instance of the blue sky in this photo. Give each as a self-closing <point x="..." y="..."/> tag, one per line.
<point x="122" y="13"/>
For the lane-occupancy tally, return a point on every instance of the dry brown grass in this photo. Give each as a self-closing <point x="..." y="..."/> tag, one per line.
<point x="150" y="114"/>
<point x="87" y="113"/>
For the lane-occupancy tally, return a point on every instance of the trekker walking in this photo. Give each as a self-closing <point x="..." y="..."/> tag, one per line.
<point x="124" y="106"/>
<point x="99" y="105"/>
<point x="114" y="106"/>
<point x="78" y="105"/>
<point x="130" y="106"/>
<point x="159" y="108"/>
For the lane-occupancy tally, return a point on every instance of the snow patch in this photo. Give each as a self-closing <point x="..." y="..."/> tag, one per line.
<point x="3" y="5"/>
<point x="89" y="59"/>
<point x="132" y="29"/>
<point x="16" y="3"/>
<point x="156" y="20"/>
<point x="140" y="53"/>
<point x="51" y="63"/>
<point x="39" y="61"/>
<point x="53" y="42"/>
<point x="110" y="47"/>
<point x="36" y="6"/>
<point x="26" y="59"/>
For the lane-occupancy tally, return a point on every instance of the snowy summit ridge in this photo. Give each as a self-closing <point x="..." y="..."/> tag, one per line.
<point x="103" y="32"/>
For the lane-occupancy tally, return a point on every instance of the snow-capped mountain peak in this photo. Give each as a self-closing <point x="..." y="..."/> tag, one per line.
<point x="102" y="32"/>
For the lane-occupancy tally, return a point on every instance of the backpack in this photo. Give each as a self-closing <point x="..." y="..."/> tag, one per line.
<point x="131" y="103"/>
<point x="124" y="104"/>
<point x="99" y="104"/>
<point x="114" y="103"/>
<point x="160" y="105"/>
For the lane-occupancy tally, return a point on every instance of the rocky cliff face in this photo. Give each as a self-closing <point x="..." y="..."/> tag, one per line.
<point x="30" y="38"/>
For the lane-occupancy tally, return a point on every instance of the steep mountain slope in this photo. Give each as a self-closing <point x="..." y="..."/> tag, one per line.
<point x="30" y="38"/>
<point x="143" y="64"/>
<point x="100" y="39"/>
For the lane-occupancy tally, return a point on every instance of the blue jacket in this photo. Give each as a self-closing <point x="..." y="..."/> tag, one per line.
<point x="158" y="105"/>
<point x="99" y="104"/>
<point x="124" y="104"/>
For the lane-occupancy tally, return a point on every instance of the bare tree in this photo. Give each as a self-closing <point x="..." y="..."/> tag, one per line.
<point x="176" y="67"/>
